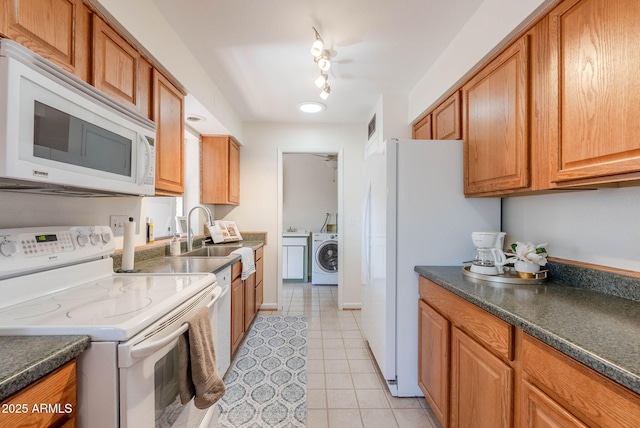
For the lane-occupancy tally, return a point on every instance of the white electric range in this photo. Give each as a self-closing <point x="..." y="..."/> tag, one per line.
<point x="60" y="281"/>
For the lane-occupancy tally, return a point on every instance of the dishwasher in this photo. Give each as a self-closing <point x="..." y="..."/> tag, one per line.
<point x="221" y="322"/>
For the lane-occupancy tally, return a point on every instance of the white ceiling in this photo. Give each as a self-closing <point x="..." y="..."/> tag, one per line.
<point x="257" y="51"/>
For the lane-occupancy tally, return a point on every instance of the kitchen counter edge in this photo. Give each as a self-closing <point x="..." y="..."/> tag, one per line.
<point x="26" y="359"/>
<point x="554" y="329"/>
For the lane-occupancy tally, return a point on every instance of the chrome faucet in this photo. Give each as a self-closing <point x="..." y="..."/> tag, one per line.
<point x="189" y="231"/>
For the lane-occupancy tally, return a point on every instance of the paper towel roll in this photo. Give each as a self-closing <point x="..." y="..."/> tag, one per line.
<point x="128" y="247"/>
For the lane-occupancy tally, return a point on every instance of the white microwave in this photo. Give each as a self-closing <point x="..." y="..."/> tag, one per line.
<point x="60" y="135"/>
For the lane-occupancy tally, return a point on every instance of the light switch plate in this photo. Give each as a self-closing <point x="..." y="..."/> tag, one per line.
<point x="117" y="224"/>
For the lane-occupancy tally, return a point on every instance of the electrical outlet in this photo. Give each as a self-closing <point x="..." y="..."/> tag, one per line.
<point x="117" y="224"/>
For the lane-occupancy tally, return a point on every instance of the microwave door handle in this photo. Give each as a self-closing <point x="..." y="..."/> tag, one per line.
<point x="139" y="351"/>
<point x="145" y="162"/>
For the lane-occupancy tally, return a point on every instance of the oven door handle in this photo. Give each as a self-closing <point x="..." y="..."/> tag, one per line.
<point x="139" y="351"/>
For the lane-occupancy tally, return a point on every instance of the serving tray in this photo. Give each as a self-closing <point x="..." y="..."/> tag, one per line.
<point x="509" y="277"/>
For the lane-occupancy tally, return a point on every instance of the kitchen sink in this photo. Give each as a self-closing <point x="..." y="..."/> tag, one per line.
<point x="211" y="251"/>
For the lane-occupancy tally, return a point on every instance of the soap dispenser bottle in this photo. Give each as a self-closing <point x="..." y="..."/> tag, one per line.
<point x="174" y="246"/>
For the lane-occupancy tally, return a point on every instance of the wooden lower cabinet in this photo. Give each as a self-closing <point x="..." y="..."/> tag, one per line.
<point x="249" y="301"/>
<point x="481" y="385"/>
<point x="526" y="383"/>
<point x="539" y="411"/>
<point x="56" y="391"/>
<point x="259" y="278"/>
<point x="433" y="364"/>
<point x="587" y="395"/>
<point x="237" y="312"/>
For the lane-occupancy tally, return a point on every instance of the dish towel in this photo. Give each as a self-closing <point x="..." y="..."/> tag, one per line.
<point x="198" y="375"/>
<point x="248" y="264"/>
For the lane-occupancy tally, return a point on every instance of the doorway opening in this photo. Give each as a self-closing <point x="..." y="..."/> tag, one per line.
<point x="309" y="223"/>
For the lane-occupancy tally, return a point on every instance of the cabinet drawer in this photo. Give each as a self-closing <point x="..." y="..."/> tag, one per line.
<point x="587" y="394"/>
<point x="492" y="332"/>
<point x="258" y="253"/>
<point x="56" y="389"/>
<point x="294" y="241"/>
<point x="236" y="270"/>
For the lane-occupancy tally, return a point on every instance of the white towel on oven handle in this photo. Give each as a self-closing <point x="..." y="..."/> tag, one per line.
<point x="248" y="263"/>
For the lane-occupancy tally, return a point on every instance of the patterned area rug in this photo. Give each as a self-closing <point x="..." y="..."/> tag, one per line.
<point x="267" y="382"/>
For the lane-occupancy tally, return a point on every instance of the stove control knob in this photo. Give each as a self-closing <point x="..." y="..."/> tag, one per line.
<point x="95" y="238"/>
<point x="82" y="240"/>
<point x="106" y="237"/>
<point x="8" y="248"/>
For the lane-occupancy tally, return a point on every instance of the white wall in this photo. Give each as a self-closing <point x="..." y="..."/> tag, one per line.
<point x="310" y="192"/>
<point x="593" y="226"/>
<point x="258" y="210"/>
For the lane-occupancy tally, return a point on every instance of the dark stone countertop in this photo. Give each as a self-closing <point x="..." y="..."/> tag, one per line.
<point x="598" y="329"/>
<point x="175" y="264"/>
<point x="25" y="359"/>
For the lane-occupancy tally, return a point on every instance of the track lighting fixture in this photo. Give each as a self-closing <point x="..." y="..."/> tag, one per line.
<point x="324" y="60"/>
<point x="318" y="44"/>
<point x="322" y="57"/>
<point x="326" y="90"/>
<point x="321" y="80"/>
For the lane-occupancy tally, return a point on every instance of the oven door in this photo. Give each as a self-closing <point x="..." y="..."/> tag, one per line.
<point x="148" y="371"/>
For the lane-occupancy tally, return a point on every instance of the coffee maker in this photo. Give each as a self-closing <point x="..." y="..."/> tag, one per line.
<point x="489" y="258"/>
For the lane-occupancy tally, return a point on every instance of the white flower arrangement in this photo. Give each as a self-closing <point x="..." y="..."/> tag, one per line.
<point x="529" y="253"/>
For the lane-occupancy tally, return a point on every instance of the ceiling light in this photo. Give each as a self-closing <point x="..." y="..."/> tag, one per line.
<point x="195" y="118"/>
<point x="324" y="60"/>
<point x="325" y="91"/>
<point x="311" y="107"/>
<point x="321" y="80"/>
<point x="318" y="44"/>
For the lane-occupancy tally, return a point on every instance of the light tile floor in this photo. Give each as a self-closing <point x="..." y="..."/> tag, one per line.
<point x="344" y="386"/>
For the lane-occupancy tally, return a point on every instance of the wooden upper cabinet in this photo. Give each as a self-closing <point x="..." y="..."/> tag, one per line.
<point x="422" y="128"/>
<point x="58" y="30"/>
<point x="446" y="119"/>
<point x="595" y="117"/>
<point x="168" y="114"/>
<point x="496" y="124"/>
<point x="115" y="64"/>
<point x="219" y="170"/>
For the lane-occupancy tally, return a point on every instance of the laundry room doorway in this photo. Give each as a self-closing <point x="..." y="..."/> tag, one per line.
<point x="309" y="200"/>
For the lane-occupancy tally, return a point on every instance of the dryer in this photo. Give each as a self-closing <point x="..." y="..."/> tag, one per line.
<point x="324" y="264"/>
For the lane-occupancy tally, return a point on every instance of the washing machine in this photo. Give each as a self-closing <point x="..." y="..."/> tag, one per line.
<point x="324" y="264"/>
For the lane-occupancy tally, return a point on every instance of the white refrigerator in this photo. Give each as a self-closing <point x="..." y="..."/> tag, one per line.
<point x="414" y="213"/>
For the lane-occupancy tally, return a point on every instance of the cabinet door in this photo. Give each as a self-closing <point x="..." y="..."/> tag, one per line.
<point x="540" y="411"/>
<point x="234" y="173"/>
<point x="168" y="115"/>
<point x="481" y="385"/>
<point x="58" y="30"/>
<point x="295" y="262"/>
<point x="595" y="118"/>
<point x="446" y="119"/>
<point x="115" y="64"/>
<point x="249" y="300"/>
<point x="219" y="170"/>
<point x="433" y="360"/>
<point x="259" y="277"/>
<point x="422" y="129"/>
<point x="57" y="387"/>
<point x="496" y="127"/>
<point x="237" y="313"/>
